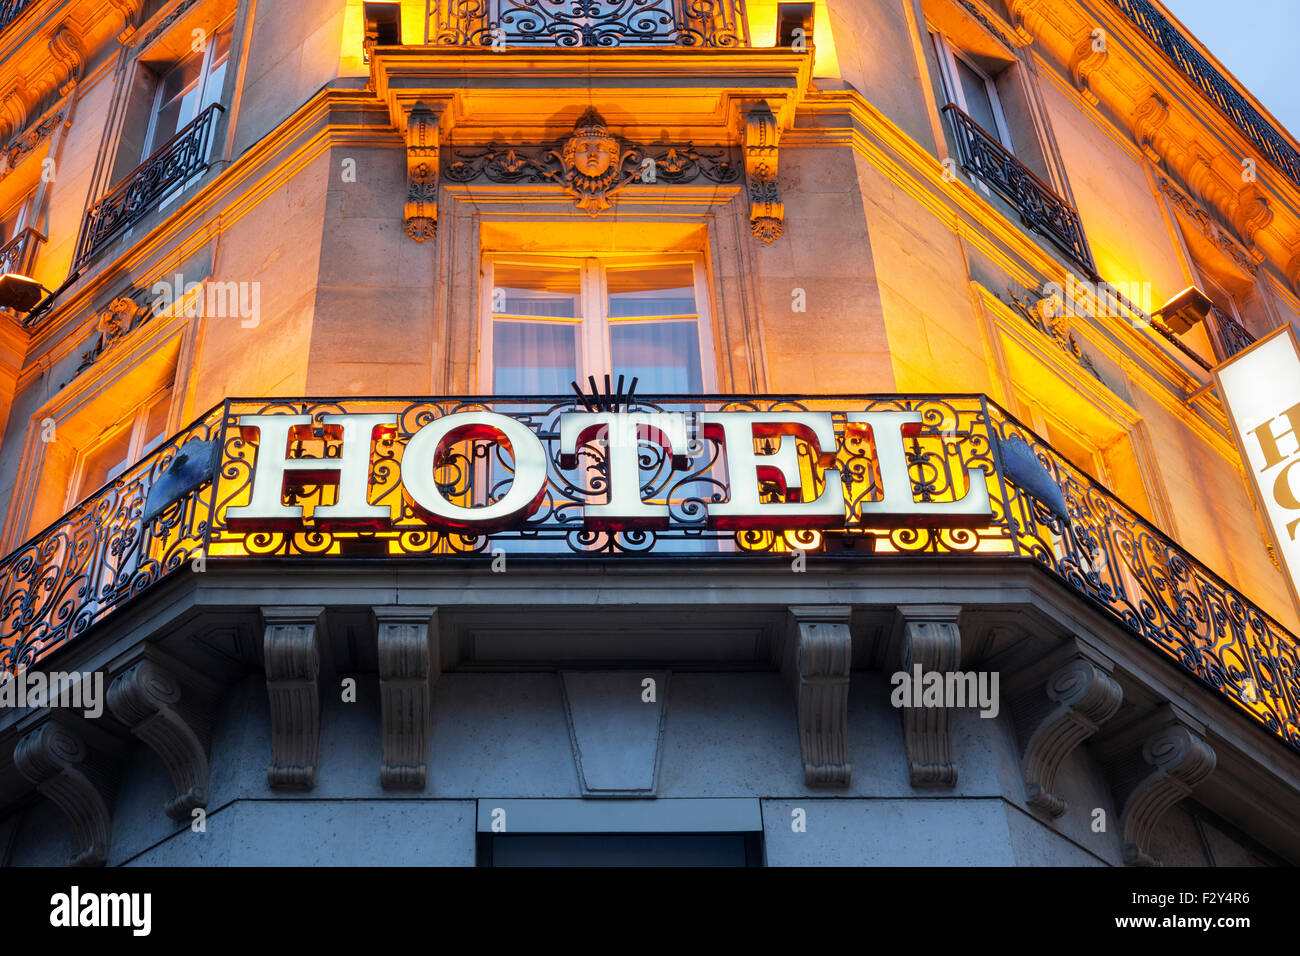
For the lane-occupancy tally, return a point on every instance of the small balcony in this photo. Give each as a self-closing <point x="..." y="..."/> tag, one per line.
<point x="173" y="166"/>
<point x="18" y="253"/>
<point x="584" y="23"/>
<point x="1040" y="208"/>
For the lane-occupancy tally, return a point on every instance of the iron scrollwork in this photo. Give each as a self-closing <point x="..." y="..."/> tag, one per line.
<point x="587" y="23"/>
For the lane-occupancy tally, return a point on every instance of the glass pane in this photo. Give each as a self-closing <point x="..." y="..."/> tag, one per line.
<point x="534" y="358"/>
<point x="155" y="423"/>
<point x="105" y="462"/>
<point x="664" y="356"/>
<point x="651" y="290"/>
<point x="978" y="105"/>
<point x="536" y="290"/>
<point x="217" y="71"/>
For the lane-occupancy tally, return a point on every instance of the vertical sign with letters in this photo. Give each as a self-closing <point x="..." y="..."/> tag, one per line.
<point x="1260" y="389"/>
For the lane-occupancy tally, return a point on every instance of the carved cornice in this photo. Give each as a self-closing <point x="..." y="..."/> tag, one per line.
<point x="823" y="654"/>
<point x="78" y="777"/>
<point x="930" y="639"/>
<point x="30" y="139"/>
<point x="408" y="669"/>
<point x="1205" y="224"/>
<point x="292" y="656"/>
<point x="174" y="719"/>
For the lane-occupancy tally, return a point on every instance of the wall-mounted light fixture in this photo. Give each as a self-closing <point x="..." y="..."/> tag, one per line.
<point x="19" y="292"/>
<point x="1185" y="309"/>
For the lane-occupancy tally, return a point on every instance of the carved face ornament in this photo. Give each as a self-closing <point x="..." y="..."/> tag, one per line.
<point x="592" y="161"/>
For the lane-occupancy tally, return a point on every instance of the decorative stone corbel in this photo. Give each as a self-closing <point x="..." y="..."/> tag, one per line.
<point x="421" y="172"/>
<point x="408" y="669"/>
<point x="1055" y="714"/>
<point x="66" y="50"/>
<point x="822" y="656"/>
<point x="1088" y="57"/>
<point x="291" y="647"/>
<point x="1293" y="266"/>
<point x="1154" y="765"/>
<point x="1251" y="215"/>
<point x="75" y="769"/>
<point x="162" y="704"/>
<point x="1027" y="18"/>
<point x="930" y="639"/>
<point x="766" y="211"/>
<point x="1149" y="120"/>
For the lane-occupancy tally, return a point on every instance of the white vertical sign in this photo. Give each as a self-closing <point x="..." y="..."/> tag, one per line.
<point x="1260" y="389"/>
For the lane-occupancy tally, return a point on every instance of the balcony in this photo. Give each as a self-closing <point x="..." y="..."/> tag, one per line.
<point x="1040" y="208"/>
<point x="18" y="253"/>
<point x="134" y="534"/>
<point x="583" y="23"/>
<point x="1197" y="69"/>
<point x="172" y="167"/>
<point x="11" y="10"/>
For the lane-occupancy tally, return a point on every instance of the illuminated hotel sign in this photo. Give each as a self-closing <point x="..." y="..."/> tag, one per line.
<point x="1260" y="389"/>
<point x="781" y="470"/>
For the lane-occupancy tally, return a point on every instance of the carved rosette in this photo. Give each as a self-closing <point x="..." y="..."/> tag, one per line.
<point x="422" y="173"/>
<point x="77" y="779"/>
<point x="292" y="658"/>
<point x="766" y="211"/>
<point x="823" y="654"/>
<point x="173" y="723"/>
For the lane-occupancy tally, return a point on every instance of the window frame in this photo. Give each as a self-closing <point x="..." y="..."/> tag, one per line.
<point x="151" y="143"/>
<point x="948" y="53"/>
<point x="594" y="325"/>
<point x="136" y="420"/>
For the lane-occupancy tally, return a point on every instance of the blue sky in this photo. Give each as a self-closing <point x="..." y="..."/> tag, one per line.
<point x="1256" y="41"/>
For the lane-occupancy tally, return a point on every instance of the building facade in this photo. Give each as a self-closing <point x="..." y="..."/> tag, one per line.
<point x="892" y="521"/>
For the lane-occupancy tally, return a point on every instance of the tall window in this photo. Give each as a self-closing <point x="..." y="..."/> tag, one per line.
<point x="972" y="90"/>
<point x="550" y="321"/>
<point x="187" y="89"/>
<point x="121" y="446"/>
<point x="13" y="222"/>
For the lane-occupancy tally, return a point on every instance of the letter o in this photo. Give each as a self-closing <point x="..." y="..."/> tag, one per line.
<point x="526" y="491"/>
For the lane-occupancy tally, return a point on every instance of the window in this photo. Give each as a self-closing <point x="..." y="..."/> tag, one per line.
<point x="972" y="90"/>
<point x="1240" y="305"/>
<point x="550" y="321"/>
<point x="121" y="446"/>
<point x="186" y="90"/>
<point x="16" y="219"/>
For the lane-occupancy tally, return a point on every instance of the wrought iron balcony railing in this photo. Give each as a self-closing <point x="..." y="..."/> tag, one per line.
<point x="76" y="572"/>
<point x="17" y="254"/>
<point x="587" y="23"/>
<point x="1040" y="208"/>
<point x="1193" y="65"/>
<point x="171" y="167"/>
<point x="11" y="10"/>
<point x="1232" y="335"/>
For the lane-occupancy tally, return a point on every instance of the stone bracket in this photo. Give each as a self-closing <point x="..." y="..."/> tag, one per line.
<point x="759" y="135"/>
<point x="1057" y="712"/>
<point x="170" y="708"/>
<point x="291" y="648"/>
<point x="75" y="767"/>
<point x="1155" y="764"/>
<point x="408" y="669"/>
<point x="422" y="144"/>
<point x="823" y="655"/>
<point x="931" y="639"/>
